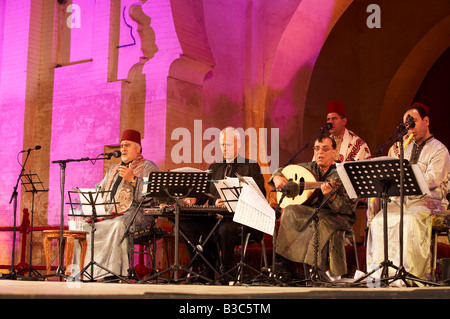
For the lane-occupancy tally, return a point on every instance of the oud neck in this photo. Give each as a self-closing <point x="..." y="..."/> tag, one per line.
<point x="311" y="185"/>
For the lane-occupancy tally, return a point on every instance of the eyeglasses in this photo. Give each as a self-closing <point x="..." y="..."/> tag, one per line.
<point x="323" y="148"/>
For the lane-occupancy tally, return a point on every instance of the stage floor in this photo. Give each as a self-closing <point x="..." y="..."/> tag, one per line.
<point x="23" y="289"/>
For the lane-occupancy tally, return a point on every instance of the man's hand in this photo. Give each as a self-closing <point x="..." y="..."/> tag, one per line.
<point x="327" y="187"/>
<point x="189" y="200"/>
<point x="126" y="173"/>
<point x="279" y="181"/>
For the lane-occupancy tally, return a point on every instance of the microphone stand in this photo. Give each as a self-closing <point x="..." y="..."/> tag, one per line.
<point x="291" y="160"/>
<point x="402" y="274"/>
<point x="315" y="274"/>
<point x="273" y="271"/>
<point x="13" y="273"/>
<point x="400" y="130"/>
<point x="62" y="164"/>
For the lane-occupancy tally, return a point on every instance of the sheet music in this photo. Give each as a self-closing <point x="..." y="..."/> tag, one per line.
<point x="230" y="188"/>
<point x="250" y="181"/>
<point x="254" y="211"/>
<point x="87" y="207"/>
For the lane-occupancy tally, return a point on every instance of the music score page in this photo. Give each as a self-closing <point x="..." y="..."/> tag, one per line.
<point x="254" y="211"/>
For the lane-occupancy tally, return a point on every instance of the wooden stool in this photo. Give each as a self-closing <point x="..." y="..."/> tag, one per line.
<point x="69" y="237"/>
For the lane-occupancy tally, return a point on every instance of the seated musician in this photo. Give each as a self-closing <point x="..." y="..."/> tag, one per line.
<point x="228" y="234"/>
<point x="433" y="159"/>
<point x="124" y="182"/>
<point x="295" y="238"/>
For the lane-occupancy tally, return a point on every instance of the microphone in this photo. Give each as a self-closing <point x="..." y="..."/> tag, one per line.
<point x="291" y="189"/>
<point x="326" y="127"/>
<point x="410" y="122"/>
<point x="116" y="154"/>
<point x="37" y="147"/>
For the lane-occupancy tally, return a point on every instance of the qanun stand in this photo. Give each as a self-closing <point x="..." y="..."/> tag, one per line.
<point x="197" y="250"/>
<point x="176" y="186"/>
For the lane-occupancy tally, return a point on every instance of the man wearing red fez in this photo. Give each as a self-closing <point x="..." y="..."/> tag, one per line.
<point x="349" y="145"/>
<point x="124" y="184"/>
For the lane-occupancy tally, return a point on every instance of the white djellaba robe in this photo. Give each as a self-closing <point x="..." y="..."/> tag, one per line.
<point x="109" y="251"/>
<point x="418" y="211"/>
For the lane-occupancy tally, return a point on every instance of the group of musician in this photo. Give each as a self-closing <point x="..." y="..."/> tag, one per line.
<point x="301" y="242"/>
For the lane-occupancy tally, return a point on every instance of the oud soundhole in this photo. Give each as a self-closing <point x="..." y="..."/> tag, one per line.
<point x="302" y="186"/>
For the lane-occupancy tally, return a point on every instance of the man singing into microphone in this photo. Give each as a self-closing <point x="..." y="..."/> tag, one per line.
<point x="295" y="239"/>
<point x="124" y="181"/>
<point x="349" y="146"/>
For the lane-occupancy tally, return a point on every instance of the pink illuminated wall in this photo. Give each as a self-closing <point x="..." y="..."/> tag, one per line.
<point x="89" y="92"/>
<point x="82" y="32"/>
<point x="83" y="125"/>
<point x="298" y="50"/>
<point x="2" y="21"/>
<point x="13" y="74"/>
<point x="87" y="107"/>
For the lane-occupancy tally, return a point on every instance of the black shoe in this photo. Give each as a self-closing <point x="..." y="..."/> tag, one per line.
<point x="286" y="272"/>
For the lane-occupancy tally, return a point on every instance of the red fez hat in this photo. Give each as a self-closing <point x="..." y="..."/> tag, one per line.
<point x="131" y="135"/>
<point x="336" y="107"/>
<point x="422" y="105"/>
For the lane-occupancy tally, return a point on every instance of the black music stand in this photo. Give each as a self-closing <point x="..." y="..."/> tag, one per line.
<point x="92" y="201"/>
<point x="381" y="177"/>
<point x="176" y="185"/>
<point x="235" y="192"/>
<point x="32" y="184"/>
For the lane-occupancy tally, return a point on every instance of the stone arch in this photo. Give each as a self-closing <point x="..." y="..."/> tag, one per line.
<point x="410" y="75"/>
<point x="292" y="69"/>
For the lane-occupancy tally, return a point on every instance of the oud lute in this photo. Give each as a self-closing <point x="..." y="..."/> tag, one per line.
<point x="307" y="180"/>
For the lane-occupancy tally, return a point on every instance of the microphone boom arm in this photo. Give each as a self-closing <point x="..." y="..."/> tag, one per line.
<point x="291" y="160"/>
